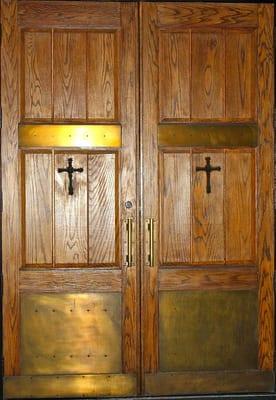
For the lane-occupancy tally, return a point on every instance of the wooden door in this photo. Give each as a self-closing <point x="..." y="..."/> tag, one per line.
<point x="69" y="98"/>
<point x="207" y="257"/>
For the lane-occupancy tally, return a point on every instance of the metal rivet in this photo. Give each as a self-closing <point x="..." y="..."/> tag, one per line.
<point x="128" y="204"/>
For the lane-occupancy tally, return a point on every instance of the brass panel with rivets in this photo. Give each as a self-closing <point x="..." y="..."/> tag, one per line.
<point x="70" y="333"/>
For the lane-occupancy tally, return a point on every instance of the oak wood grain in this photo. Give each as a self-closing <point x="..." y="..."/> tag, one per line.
<point x="128" y="73"/>
<point x="70" y="280"/>
<point x="70" y="212"/>
<point x="64" y="14"/>
<point x="239" y="206"/>
<point x="102" y="84"/>
<point x="208" y="81"/>
<point x="69" y="75"/>
<point x="175" y="218"/>
<point x="38" y="208"/>
<point x="36" y="99"/>
<point x="11" y="242"/>
<point x="150" y="113"/>
<point x="209" y="278"/>
<point x="265" y="188"/>
<point x="212" y="14"/>
<point x="174" y="75"/>
<point x="240" y="74"/>
<point x="103" y="209"/>
<point x="208" y="223"/>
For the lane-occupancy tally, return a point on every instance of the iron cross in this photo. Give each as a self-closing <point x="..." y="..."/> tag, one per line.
<point x="70" y="170"/>
<point x="208" y="169"/>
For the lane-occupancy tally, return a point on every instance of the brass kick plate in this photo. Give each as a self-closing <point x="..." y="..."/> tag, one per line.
<point x="79" y="136"/>
<point x="219" y="135"/>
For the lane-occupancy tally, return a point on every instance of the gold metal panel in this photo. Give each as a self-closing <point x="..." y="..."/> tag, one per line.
<point x="198" y="382"/>
<point x="70" y="333"/>
<point x="187" y="135"/>
<point x="79" y="136"/>
<point x="70" y="386"/>
<point x="208" y="330"/>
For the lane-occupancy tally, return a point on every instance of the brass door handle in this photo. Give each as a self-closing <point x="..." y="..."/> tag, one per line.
<point x="129" y="223"/>
<point x="150" y="227"/>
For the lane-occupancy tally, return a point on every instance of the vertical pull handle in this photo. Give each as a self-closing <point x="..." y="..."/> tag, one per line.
<point x="150" y="227"/>
<point x="129" y="227"/>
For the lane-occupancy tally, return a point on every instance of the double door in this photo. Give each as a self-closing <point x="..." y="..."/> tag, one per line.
<point x="137" y="177"/>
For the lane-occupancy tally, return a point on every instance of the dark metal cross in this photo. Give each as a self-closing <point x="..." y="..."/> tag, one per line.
<point x="70" y="170"/>
<point x="208" y="169"/>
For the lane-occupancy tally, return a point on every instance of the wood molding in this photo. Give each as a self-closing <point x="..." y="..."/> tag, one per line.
<point x="265" y="228"/>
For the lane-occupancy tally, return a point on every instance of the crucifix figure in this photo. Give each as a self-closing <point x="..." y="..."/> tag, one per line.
<point x="70" y="170"/>
<point x="208" y="169"/>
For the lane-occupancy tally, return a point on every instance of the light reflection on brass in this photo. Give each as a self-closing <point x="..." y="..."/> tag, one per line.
<point x="219" y="135"/>
<point x="70" y="386"/>
<point x="70" y="333"/>
<point x="79" y="136"/>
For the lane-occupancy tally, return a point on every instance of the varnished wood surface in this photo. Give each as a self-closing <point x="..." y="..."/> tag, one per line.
<point x="70" y="212"/>
<point x="38" y="208"/>
<point x="240" y="75"/>
<point x="11" y="242"/>
<point x="213" y="14"/>
<point x="37" y="80"/>
<point x="265" y="187"/>
<point x="174" y="75"/>
<point x="129" y="186"/>
<point x="175" y="218"/>
<point x="70" y="280"/>
<point x="69" y="86"/>
<point x="103" y="208"/>
<point x="208" y="220"/>
<point x="208" y="88"/>
<point x="64" y="14"/>
<point x="208" y="278"/>
<point x="239" y="206"/>
<point x="102" y="84"/>
<point x="149" y="118"/>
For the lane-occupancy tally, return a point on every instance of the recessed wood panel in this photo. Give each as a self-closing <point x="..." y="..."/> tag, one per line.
<point x="37" y="75"/>
<point x="70" y="333"/>
<point x="239" y="206"/>
<point x="174" y="75"/>
<point x="38" y="208"/>
<point x="208" y="86"/>
<point x="207" y="227"/>
<point x="102" y="85"/>
<point x="176" y="208"/>
<point x="208" y="330"/>
<point x="69" y="75"/>
<point x="71" y="211"/>
<point x="240" y="73"/>
<point x="103" y="205"/>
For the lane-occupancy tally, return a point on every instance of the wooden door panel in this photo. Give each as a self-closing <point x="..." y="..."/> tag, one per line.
<point x="223" y="225"/>
<point x="174" y="78"/>
<point x="69" y="71"/>
<point x="240" y="213"/>
<point x="37" y="76"/>
<point x="37" y="208"/>
<point x="68" y="279"/>
<point x="207" y="86"/>
<point x="70" y="212"/>
<point x="103" y="209"/>
<point x="175" y="216"/>
<point x="240" y="74"/>
<point x="102" y="88"/>
<point x="207" y="229"/>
